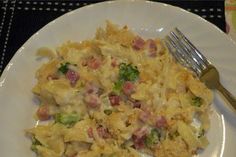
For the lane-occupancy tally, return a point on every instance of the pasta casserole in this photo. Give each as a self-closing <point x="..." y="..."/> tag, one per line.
<point x="118" y="95"/>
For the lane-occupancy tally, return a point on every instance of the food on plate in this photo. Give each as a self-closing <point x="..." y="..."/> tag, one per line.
<point x="118" y="94"/>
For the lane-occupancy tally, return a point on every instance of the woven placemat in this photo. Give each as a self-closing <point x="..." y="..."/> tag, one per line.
<point x="19" y="19"/>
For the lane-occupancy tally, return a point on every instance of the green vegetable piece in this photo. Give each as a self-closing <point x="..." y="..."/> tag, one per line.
<point x="197" y="101"/>
<point x="64" y="67"/>
<point x="108" y="112"/>
<point x="128" y="72"/>
<point x="118" y="86"/>
<point x="153" y="138"/>
<point x="67" y="118"/>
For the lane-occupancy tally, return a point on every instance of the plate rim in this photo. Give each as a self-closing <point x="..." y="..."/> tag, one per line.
<point x="54" y="22"/>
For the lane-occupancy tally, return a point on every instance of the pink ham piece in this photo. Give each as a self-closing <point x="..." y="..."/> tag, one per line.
<point x="43" y="113"/>
<point x="161" y="122"/>
<point x="114" y="100"/>
<point x="152" y="47"/>
<point x="128" y="88"/>
<point x="138" y="43"/>
<point x="72" y="76"/>
<point x="90" y="132"/>
<point x="140" y="132"/>
<point x="92" y="100"/>
<point x="94" y="63"/>
<point x="103" y="132"/>
<point x="138" y="138"/>
<point x="139" y="143"/>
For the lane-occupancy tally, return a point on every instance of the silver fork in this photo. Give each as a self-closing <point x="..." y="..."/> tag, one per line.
<point x="189" y="56"/>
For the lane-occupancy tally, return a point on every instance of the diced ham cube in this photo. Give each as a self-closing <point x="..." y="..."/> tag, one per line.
<point x="161" y="122"/>
<point x="140" y="132"/>
<point x="103" y="132"/>
<point x="138" y="43"/>
<point x="128" y="88"/>
<point x="138" y="138"/>
<point x="139" y="143"/>
<point x="94" y="63"/>
<point x="72" y="76"/>
<point x="114" y="100"/>
<point x="43" y="113"/>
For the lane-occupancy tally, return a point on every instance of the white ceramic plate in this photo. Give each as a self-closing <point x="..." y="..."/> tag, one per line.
<point x="149" y="19"/>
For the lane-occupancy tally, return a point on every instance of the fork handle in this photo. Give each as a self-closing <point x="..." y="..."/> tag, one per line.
<point x="231" y="99"/>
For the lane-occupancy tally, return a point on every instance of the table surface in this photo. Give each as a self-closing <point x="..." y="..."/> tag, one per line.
<point x="20" y="19"/>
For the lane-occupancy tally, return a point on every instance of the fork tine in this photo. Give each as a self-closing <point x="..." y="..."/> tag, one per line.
<point x="187" y="54"/>
<point x="199" y="55"/>
<point x="181" y="53"/>
<point x="173" y="48"/>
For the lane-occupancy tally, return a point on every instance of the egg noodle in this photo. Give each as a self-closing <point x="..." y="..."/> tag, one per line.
<point x="118" y="95"/>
